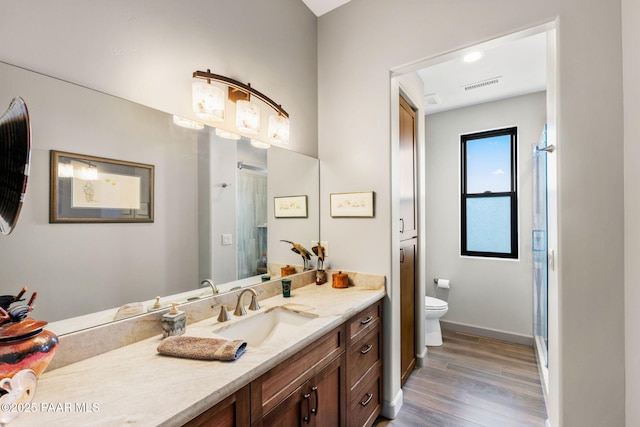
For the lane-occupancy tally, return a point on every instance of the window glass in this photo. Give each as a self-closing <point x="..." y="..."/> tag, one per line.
<point x="489" y="164"/>
<point x="489" y="200"/>
<point x="489" y="224"/>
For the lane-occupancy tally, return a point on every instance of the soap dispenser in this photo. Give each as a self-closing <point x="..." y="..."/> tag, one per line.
<point x="174" y="322"/>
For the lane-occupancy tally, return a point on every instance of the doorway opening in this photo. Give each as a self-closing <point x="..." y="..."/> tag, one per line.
<point x="491" y="84"/>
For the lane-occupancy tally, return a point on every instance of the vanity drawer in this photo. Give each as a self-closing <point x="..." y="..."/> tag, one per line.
<point x="363" y="354"/>
<point x="274" y="386"/>
<point x="362" y="322"/>
<point x="366" y="398"/>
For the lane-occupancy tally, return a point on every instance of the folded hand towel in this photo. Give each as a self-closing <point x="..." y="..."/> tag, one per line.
<point x="202" y="348"/>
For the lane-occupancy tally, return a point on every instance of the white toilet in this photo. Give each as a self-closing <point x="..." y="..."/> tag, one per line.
<point x="435" y="309"/>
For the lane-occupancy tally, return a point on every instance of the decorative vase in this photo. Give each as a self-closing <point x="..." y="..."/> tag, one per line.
<point x="26" y="345"/>
<point x="340" y="280"/>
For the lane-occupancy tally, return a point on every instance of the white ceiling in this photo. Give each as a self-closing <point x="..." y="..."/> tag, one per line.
<point x="519" y="66"/>
<point x="320" y="7"/>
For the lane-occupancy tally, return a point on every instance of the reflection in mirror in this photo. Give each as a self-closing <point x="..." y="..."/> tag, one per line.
<point x="15" y="152"/>
<point x="212" y="219"/>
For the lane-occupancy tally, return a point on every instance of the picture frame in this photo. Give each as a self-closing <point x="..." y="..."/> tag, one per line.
<point x="88" y="189"/>
<point x="290" y="207"/>
<point x="352" y="205"/>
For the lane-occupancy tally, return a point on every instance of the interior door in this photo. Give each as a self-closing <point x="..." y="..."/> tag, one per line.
<point x="408" y="252"/>
<point x="408" y="237"/>
<point x="408" y="172"/>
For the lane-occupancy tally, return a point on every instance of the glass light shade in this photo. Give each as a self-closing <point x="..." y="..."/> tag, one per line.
<point x="89" y="173"/>
<point x="260" y="144"/>
<point x="227" y="135"/>
<point x="186" y="123"/>
<point x="279" y="129"/>
<point x="208" y="101"/>
<point x="65" y="170"/>
<point x="247" y="117"/>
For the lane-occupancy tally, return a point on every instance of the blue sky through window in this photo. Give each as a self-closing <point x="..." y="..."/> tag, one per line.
<point x="489" y="164"/>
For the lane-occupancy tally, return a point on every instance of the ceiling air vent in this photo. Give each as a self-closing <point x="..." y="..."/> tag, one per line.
<point x="432" y="99"/>
<point x="483" y="83"/>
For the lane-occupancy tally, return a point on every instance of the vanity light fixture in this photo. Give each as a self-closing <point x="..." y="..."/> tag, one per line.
<point x="260" y="144"/>
<point x="65" y="170"/>
<point x="227" y="135"/>
<point x="279" y="129"/>
<point x="247" y="113"/>
<point x="247" y="117"/>
<point x="187" y="123"/>
<point x="208" y="101"/>
<point x="89" y="173"/>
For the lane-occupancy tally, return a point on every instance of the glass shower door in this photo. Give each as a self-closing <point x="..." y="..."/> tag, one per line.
<point x="540" y="245"/>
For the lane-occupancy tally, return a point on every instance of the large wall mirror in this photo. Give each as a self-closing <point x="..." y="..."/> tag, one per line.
<point x="213" y="205"/>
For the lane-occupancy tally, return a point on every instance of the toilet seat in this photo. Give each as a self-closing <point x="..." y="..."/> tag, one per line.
<point x="435" y="304"/>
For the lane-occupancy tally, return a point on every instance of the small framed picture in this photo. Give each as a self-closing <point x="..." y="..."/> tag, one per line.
<point x="355" y="205"/>
<point x="94" y="189"/>
<point x="290" y="207"/>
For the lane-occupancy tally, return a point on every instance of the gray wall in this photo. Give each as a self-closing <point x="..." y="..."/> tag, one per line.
<point x="631" y="69"/>
<point x="362" y="41"/>
<point x="147" y="51"/>
<point x="290" y="175"/>
<point x="102" y="265"/>
<point x="480" y="287"/>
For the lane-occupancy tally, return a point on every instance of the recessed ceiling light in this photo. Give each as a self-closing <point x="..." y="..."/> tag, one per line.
<point x="472" y="56"/>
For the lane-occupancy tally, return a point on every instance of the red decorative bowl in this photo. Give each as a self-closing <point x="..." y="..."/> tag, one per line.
<point x="26" y="345"/>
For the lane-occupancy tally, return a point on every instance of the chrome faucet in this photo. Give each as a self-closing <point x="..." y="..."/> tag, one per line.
<point x="214" y="288"/>
<point x="240" y="311"/>
<point x="224" y="314"/>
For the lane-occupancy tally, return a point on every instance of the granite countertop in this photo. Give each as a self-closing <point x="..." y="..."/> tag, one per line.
<point x="134" y="385"/>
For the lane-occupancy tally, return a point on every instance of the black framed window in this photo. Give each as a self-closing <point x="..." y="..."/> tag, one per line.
<point x="489" y="194"/>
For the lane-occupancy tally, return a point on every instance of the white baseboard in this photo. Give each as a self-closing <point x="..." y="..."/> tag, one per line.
<point x="487" y="332"/>
<point x="390" y="409"/>
<point x="421" y="358"/>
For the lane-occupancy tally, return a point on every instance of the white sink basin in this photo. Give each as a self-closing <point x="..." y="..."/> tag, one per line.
<point x="265" y="327"/>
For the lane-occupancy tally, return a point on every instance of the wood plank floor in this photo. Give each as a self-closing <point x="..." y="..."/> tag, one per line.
<point x="473" y="381"/>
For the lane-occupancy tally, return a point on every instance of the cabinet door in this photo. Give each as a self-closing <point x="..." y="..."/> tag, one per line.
<point x="280" y="382"/>
<point x="408" y="172"/>
<point x="329" y="394"/>
<point x="317" y="402"/>
<point x="231" y="412"/>
<point x="408" y="250"/>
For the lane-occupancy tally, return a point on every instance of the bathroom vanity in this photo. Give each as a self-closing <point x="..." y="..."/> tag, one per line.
<point x="336" y="380"/>
<point x="325" y="371"/>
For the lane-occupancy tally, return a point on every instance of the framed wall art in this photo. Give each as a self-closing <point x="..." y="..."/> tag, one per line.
<point x="290" y="207"/>
<point x="94" y="189"/>
<point x="355" y="205"/>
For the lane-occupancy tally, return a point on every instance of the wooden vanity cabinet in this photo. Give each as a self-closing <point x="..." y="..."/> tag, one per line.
<point x="317" y="402"/>
<point x="231" y="412"/>
<point x="334" y="381"/>
<point x="305" y="390"/>
<point x="364" y="366"/>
